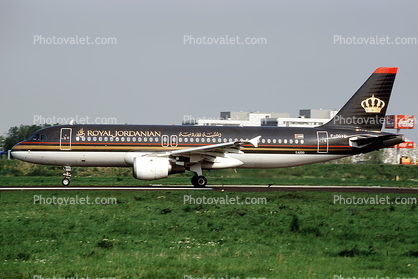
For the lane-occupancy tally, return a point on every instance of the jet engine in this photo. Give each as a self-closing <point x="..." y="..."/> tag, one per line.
<point x="150" y="168"/>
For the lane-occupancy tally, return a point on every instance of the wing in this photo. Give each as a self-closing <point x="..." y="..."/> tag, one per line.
<point x="216" y="149"/>
<point x="212" y="156"/>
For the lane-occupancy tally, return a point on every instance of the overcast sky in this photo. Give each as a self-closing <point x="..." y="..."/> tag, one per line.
<point x="149" y="75"/>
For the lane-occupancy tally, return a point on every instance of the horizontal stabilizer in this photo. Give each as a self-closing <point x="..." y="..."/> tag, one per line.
<point x="361" y="141"/>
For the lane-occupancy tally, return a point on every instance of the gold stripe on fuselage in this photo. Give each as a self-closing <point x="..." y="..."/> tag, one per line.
<point x="133" y="147"/>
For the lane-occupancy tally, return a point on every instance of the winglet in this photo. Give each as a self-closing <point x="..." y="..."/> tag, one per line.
<point x="254" y="141"/>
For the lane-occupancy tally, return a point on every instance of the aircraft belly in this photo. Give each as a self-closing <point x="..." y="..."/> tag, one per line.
<point x="282" y="160"/>
<point x="60" y="158"/>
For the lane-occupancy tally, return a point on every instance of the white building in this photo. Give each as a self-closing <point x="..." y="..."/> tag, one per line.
<point x="307" y="118"/>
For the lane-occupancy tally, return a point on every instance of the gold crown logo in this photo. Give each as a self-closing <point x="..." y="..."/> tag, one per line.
<point x="373" y="104"/>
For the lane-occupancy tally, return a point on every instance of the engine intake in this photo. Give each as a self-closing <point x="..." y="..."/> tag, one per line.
<point x="150" y="168"/>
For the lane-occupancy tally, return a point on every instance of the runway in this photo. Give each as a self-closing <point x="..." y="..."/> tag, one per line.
<point x="228" y="188"/>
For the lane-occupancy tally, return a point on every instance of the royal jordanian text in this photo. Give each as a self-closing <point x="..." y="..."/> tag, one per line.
<point x="108" y="133"/>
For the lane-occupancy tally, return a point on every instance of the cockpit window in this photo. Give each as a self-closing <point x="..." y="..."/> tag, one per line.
<point x="37" y="137"/>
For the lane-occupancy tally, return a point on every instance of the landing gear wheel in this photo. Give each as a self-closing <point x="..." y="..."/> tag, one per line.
<point x="67" y="175"/>
<point x="199" y="181"/>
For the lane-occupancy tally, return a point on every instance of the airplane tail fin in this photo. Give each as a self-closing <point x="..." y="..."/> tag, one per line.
<point x="367" y="108"/>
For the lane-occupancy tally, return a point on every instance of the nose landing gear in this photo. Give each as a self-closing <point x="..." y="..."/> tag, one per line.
<point x="67" y="174"/>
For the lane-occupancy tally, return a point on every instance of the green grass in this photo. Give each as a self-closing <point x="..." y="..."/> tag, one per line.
<point x="156" y="235"/>
<point x="16" y="173"/>
<point x="130" y="181"/>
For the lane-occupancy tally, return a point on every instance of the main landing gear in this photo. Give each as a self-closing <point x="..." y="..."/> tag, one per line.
<point x="67" y="174"/>
<point x="199" y="181"/>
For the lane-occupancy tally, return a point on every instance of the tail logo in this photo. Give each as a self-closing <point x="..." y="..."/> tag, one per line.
<point x="373" y="104"/>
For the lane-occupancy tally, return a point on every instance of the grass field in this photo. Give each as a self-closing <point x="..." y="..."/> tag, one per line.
<point x="16" y="173"/>
<point x="157" y="235"/>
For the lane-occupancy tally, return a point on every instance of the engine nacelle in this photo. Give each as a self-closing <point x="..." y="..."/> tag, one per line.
<point x="150" y="168"/>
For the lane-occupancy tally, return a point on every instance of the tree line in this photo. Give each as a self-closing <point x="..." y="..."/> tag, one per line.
<point x="17" y="134"/>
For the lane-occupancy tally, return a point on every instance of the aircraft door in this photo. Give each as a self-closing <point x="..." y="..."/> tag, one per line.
<point x="164" y="141"/>
<point x="322" y="141"/>
<point x="65" y="138"/>
<point x="174" y="141"/>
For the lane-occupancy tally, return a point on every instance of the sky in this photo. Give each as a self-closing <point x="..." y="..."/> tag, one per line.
<point x="152" y="66"/>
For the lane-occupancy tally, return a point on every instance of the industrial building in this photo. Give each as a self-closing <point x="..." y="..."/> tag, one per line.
<point x="307" y="118"/>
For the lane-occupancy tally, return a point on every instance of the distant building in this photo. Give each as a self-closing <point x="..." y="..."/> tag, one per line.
<point x="317" y="113"/>
<point x="307" y="118"/>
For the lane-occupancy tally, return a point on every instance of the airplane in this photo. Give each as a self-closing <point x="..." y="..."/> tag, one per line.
<point x="156" y="151"/>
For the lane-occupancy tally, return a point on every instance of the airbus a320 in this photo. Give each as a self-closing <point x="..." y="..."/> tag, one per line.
<point x="156" y="151"/>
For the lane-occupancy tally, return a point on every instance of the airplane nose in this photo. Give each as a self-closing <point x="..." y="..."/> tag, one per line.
<point x="16" y="152"/>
